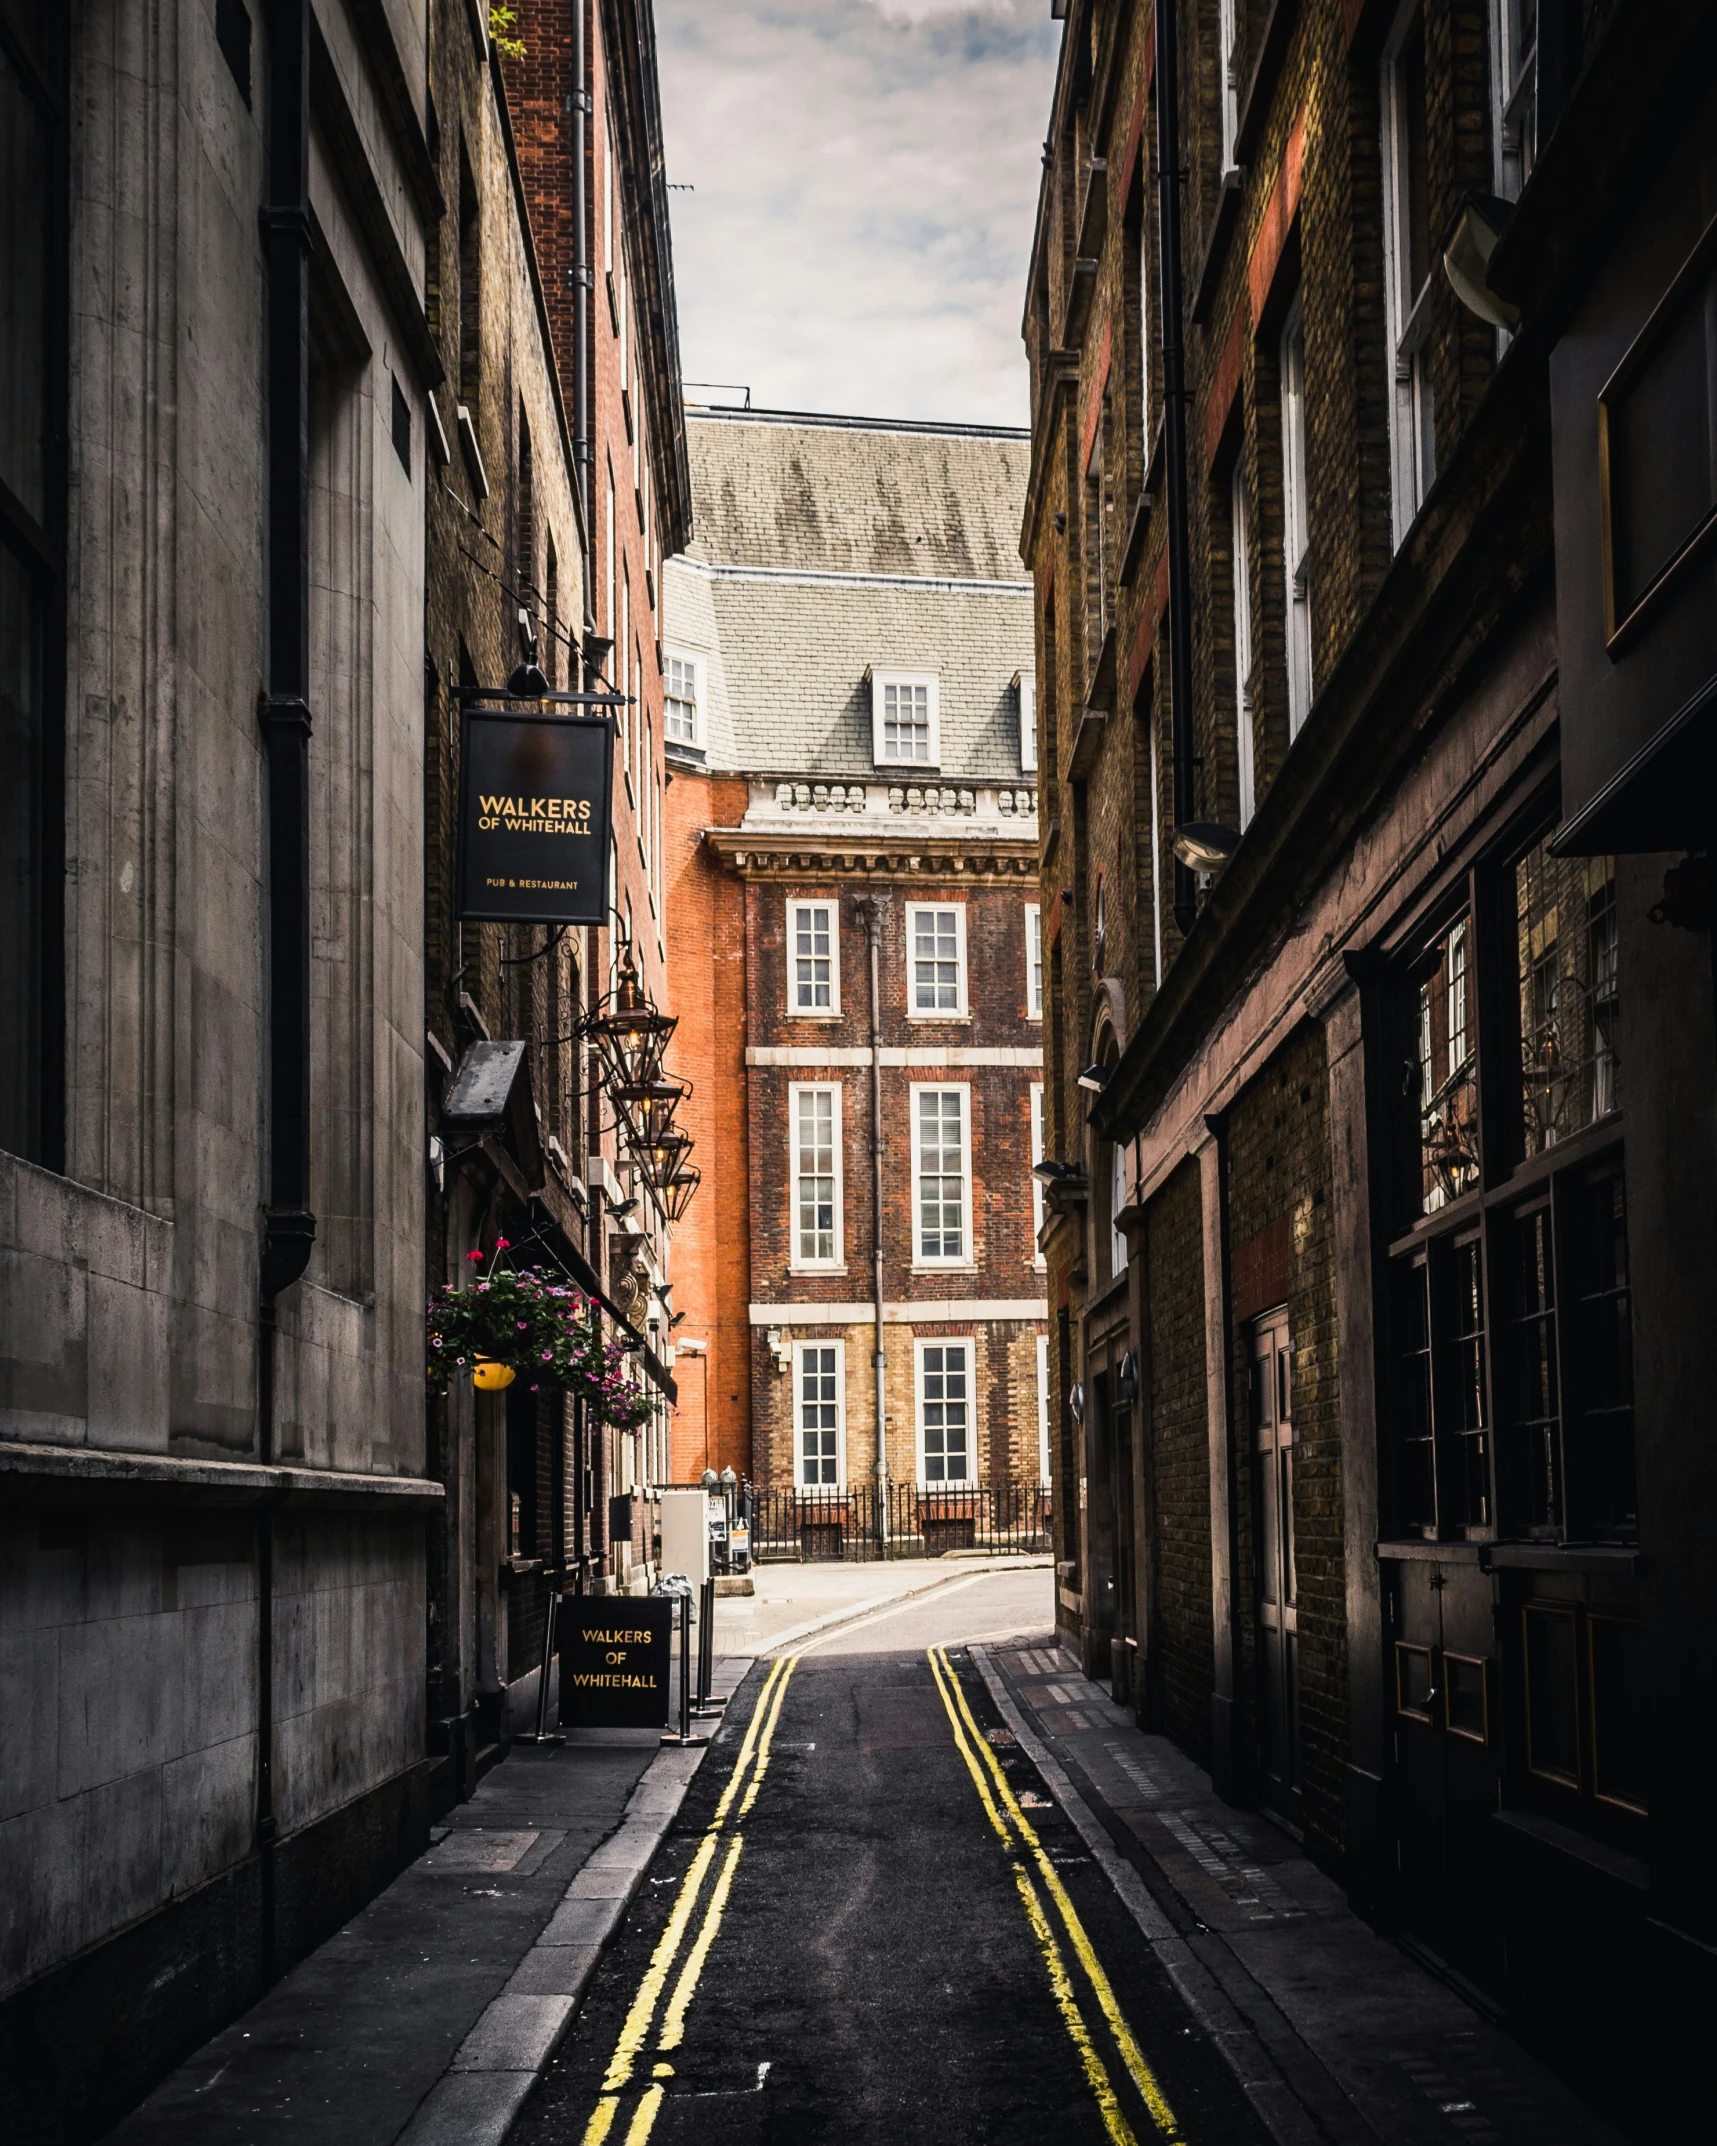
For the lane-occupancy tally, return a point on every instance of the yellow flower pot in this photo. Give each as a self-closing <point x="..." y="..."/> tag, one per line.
<point x="491" y="1377"/>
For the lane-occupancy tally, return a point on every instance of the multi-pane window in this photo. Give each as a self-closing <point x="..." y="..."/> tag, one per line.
<point x="1240" y="570"/>
<point x="819" y="1408"/>
<point x="941" y="1177"/>
<point x="1514" y="59"/>
<point x="816" y="1119"/>
<point x="1512" y="1401"/>
<point x="1228" y="77"/>
<point x="1025" y="690"/>
<point x="945" y="1412"/>
<point x="680" y="704"/>
<point x="1033" y="961"/>
<point x="1296" y="525"/>
<point x="937" y="953"/>
<point x="905" y="718"/>
<point x="1117" y="1201"/>
<point x="1409" y="258"/>
<point x="1043" y="1408"/>
<point x="1036" y="1158"/>
<point x="813" y="954"/>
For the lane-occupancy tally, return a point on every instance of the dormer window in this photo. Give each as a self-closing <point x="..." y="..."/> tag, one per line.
<point x="905" y="716"/>
<point x="682" y="705"/>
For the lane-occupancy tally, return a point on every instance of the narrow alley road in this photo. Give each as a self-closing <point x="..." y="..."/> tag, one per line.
<point x="871" y="1922"/>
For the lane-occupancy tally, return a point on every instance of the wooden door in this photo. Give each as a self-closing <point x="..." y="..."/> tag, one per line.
<point x="1278" y="1613"/>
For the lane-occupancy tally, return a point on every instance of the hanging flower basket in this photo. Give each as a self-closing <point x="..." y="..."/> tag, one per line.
<point x="526" y="1324"/>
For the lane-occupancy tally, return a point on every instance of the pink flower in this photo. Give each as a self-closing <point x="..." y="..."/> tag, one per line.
<point x="502" y="1243"/>
<point x="473" y="1255"/>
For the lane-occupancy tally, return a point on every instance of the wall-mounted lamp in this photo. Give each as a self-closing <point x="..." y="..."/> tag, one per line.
<point x="1204" y="845"/>
<point x="691" y="1348"/>
<point x="1095" y="1079"/>
<point x="1053" y="1173"/>
<point x="1127" y="1379"/>
<point x="1468" y="245"/>
<point x="1076" y="1401"/>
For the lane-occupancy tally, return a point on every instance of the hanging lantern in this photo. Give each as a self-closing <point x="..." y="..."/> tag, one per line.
<point x="677" y="1193"/>
<point x="488" y="1376"/>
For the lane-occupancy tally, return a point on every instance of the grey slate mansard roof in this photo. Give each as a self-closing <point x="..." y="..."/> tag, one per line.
<point x="822" y="547"/>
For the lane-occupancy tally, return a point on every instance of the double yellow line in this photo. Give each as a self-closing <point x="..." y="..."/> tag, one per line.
<point x="1001" y="1807"/>
<point x="741" y="1790"/>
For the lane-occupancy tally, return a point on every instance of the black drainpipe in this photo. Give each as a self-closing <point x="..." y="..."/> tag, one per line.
<point x="289" y="1228"/>
<point x="1174" y="446"/>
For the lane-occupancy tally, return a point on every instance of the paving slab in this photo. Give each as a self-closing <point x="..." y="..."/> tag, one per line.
<point x="429" y="2017"/>
<point x="1336" y="2033"/>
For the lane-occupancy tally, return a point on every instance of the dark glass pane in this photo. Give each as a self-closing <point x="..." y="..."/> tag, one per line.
<point x="1447" y="1063"/>
<point x="1416" y="1495"/>
<point x="1618" y="1711"/>
<point x="1606" y="1345"/>
<point x="1466" y="1416"/>
<point x="1537" y="1422"/>
<point x="1552" y="1708"/>
<point x="1464" y="1696"/>
<point x="23" y="279"/>
<point x="1565" y="909"/>
<point x="1663" y="447"/>
<point x="21" y="861"/>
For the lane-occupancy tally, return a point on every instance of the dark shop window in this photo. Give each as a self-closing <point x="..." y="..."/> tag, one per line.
<point x="1585" y="1731"/>
<point x="1511" y="1407"/>
<point x="32" y="519"/>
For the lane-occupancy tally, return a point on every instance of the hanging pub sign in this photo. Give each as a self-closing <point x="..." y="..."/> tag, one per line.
<point x="614" y="1652"/>
<point x="535" y="798"/>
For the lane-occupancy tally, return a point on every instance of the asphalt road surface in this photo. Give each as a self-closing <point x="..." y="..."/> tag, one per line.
<point x="871" y="1922"/>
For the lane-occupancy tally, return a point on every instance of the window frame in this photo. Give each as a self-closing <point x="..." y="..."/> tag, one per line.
<point x="1412" y="416"/>
<point x="1043" y="1461"/>
<point x="965" y="1258"/>
<point x="880" y="680"/>
<point x="1034" y="961"/>
<point x="801" y="1348"/>
<point x="832" y="1011"/>
<point x="914" y="1012"/>
<point x="798" y="1262"/>
<point x="1296" y="522"/>
<point x="1514" y="101"/>
<point x="1567" y="1179"/>
<point x="921" y="1345"/>
<point x="1036" y="1107"/>
<point x="1025" y="696"/>
<point x="694" y="665"/>
<point x="1240" y="596"/>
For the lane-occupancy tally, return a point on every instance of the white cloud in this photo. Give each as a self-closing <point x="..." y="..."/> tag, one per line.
<point x="866" y="176"/>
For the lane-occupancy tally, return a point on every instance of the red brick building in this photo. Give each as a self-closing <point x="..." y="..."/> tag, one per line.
<point x="852" y="737"/>
<point x="1376" y="666"/>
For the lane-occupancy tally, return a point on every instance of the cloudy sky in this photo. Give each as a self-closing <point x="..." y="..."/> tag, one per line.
<point x="865" y="176"/>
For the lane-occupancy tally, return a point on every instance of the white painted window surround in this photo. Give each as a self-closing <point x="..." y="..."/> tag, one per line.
<point x="814" y="1121"/>
<point x="682" y="707"/>
<point x="813" y="960"/>
<point x="936" y="961"/>
<point x="906" y="718"/>
<point x="819" y="1415"/>
<point x="1043" y="1408"/>
<point x="1037" y="1258"/>
<point x="1409" y="259"/>
<point x="947" y="1455"/>
<point x="1025" y="690"/>
<point x="1033" y="961"/>
<point x="942" y="1176"/>
<point x="1296" y="530"/>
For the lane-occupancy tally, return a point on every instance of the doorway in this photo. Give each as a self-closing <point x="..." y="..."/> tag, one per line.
<point x="1272" y="1413"/>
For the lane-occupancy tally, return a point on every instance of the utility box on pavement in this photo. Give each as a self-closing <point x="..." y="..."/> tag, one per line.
<point x="685" y="1534"/>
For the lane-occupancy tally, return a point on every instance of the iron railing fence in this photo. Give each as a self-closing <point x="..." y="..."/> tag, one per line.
<point x="865" y="1523"/>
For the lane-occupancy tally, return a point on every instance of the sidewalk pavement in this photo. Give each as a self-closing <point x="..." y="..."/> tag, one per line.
<point x="430" y="2017"/>
<point x="1338" y="2036"/>
<point x="796" y="1601"/>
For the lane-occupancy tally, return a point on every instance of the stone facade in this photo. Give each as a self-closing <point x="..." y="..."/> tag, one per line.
<point x="192" y="1479"/>
<point x="832" y="552"/>
<point x="1311" y="1518"/>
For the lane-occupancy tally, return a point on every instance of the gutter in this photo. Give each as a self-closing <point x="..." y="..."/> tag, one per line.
<point x="289" y="1227"/>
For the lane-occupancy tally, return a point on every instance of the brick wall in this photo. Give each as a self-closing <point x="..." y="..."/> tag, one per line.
<point x="1279" y="1208"/>
<point x="712" y="1246"/>
<point x="1181" y="1650"/>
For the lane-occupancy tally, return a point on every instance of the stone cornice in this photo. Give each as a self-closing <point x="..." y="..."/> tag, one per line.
<point x="857" y="851"/>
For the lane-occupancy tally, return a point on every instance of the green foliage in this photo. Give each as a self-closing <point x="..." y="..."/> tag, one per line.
<point x="544" y="1328"/>
<point x="503" y="28"/>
